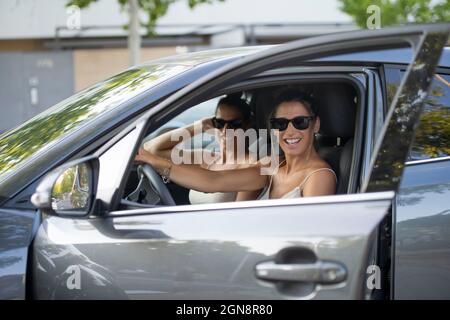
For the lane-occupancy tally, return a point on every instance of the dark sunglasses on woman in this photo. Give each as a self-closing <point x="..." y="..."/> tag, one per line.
<point x="219" y="123"/>
<point x="299" y="123"/>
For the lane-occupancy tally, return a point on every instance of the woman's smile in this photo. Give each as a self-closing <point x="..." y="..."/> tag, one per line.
<point x="292" y="141"/>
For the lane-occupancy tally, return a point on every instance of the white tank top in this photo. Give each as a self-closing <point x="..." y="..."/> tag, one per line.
<point x="294" y="193"/>
<point x="198" y="197"/>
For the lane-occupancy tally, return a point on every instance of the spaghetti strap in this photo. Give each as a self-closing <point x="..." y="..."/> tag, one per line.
<point x="265" y="194"/>
<point x="271" y="176"/>
<point x="213" y="162"/>
<point x="267" y="189"/>
<point x="310" y="174"/>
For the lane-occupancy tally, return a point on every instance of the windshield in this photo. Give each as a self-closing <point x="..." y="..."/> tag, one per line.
<point x="34" y="137"/>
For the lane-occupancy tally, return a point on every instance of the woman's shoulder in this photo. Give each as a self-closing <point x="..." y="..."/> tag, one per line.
<point x="322" y="167"/>
<point x="320" y="180"/>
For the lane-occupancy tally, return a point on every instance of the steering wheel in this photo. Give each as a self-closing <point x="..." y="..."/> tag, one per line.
<point x="156" y="183"/>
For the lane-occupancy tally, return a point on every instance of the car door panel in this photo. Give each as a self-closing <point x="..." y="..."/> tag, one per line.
<point x="212" y="254"/>
<point x="422" y="246"/>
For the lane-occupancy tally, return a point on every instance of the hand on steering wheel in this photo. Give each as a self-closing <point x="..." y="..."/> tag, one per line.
<point x="157" y="184"/>
<point x="153" y="177"/>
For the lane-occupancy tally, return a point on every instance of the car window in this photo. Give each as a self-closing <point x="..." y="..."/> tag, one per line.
<point x="432" y="138"/>
<point x="253" y="143"/>
<point x="393" y="77"/>
<point x="205" y="109"/>
<point x="203" y="145"/>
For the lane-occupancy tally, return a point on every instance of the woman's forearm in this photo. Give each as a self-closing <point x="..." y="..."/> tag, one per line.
<point x="168" y="140"/>
<point x="200" y="179"/>
<point x="248" y="195"/>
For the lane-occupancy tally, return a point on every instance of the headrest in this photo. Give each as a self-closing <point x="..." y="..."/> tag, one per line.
<point x="335" y="104"/>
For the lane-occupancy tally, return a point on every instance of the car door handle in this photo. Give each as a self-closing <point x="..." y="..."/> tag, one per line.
<point x="320" y="272"/>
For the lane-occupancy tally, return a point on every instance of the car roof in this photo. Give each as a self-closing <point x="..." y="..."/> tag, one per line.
<point x="192" y="59"/>
<point x="395" y="56"/>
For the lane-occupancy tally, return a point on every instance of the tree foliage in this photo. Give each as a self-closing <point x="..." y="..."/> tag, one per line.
<point x="433" y="133"/>
<point x="154" y="9"/>
<point x="395" y="12"/>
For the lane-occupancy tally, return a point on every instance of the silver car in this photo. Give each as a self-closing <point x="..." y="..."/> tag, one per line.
<point x="70" y="227"/>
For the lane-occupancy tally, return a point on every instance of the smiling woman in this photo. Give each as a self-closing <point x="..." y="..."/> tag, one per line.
<point x="232" y="114"/>
<point x="303" y="171"/>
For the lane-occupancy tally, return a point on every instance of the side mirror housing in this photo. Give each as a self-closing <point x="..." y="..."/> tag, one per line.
<point x="68" y="190"/>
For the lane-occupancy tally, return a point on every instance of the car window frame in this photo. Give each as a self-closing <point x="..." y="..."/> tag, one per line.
<point x="319" y="73"/>
<point x="365" y="111"/>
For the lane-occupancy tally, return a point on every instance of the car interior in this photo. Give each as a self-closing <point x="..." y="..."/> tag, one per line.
<point x="336" y="101"/>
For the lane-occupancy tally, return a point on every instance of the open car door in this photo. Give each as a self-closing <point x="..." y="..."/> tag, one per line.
<point x="322" y="247"/>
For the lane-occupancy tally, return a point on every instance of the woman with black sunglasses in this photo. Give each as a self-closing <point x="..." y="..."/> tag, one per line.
<point x="231" y="113"/>
<point x="301" y="171"/>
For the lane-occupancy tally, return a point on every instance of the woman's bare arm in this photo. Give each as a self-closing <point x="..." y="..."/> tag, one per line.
<point x="321" y="183"/>
<point x="200" y="179"/>
<point x="247" y="195"/>
<point x="163" y="144"/>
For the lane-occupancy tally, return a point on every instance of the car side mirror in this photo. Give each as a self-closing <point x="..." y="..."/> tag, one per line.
<point x="69" y="189"/>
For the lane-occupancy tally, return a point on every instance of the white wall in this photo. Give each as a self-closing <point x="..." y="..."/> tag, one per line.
<point x="38" y="18"/>
<point x="258" y="11"/>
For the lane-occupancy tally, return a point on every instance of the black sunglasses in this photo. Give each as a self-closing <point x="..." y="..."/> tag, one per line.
<point x="219" y="123"/>
<point x="299" y="123"/>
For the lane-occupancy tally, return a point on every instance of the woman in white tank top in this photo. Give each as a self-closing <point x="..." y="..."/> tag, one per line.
<point x="302" y="172"/>
<point x="231" y="113"/>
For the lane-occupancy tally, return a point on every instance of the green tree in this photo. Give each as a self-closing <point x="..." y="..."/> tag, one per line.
<point x="155" y="9"/>
<point x="395" y="12"/>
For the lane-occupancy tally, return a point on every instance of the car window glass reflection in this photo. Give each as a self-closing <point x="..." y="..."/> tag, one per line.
<point x="41" y="132"/>
<point x="433" y="134"/>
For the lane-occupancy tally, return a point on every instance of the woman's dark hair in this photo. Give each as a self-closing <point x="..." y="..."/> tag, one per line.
<point x="235" y="101"/>
<point x="294" y="95"/>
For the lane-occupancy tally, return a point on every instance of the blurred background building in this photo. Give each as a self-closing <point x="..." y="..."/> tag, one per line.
<point x="43" y="61"/>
